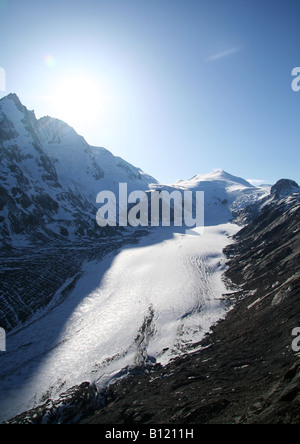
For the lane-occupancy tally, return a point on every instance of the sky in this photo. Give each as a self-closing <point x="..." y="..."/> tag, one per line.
<point x="175" y="87"/>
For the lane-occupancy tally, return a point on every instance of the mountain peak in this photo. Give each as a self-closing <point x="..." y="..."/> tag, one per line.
<point x="223" y="175"/>
<point x="12" y="97"/>
<point x="10" y="103"/>
<point x="284" y="187"/>
<point x="219" y="176"/>
<point x="220" y="171"/>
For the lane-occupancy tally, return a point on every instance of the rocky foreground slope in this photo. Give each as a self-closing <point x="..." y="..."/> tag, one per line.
<point x="246" y="370"/>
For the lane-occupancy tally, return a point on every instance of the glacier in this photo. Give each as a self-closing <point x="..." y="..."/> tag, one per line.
<point x="144" y="297"/>
<point x="147" y="303"/>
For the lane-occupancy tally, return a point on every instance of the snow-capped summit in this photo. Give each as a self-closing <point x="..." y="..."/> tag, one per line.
<point x="217" y="176"/>
<point x="224" y="194"/>
<point x="50" y="177"/>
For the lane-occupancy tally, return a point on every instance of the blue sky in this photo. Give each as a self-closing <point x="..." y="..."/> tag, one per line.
<point x="177" y="88"/>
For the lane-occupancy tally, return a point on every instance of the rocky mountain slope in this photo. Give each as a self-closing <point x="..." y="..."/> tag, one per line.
<point x="50" y="178"/>
<point x="283" y="188"/>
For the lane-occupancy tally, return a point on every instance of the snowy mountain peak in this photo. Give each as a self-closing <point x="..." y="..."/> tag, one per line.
<point x="224" y="194"/>
<point x="11" y="106"/>
<point x="223" y="175"/>
<point x="44" y="130"/>
<point x="218" y="176"/>
<point x="11" y="97"/>
<point x="50" y="177"/>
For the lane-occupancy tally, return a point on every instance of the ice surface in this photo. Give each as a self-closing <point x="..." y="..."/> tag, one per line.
<point x="153" y="300"/>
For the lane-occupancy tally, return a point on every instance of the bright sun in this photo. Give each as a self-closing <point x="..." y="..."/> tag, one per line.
<point x="78" y="99"/>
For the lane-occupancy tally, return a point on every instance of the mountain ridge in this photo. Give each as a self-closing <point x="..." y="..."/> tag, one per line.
<point x="51" y="176"/>
<point x="47" y="158"/>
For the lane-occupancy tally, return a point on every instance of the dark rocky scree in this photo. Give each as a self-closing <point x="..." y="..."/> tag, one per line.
<point x="68" y="409"/>
<point x="246" y="371"/>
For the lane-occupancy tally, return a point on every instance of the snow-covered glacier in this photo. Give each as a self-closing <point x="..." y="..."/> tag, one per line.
<point x="81" y="305"/>
<point x="148" y="303"/>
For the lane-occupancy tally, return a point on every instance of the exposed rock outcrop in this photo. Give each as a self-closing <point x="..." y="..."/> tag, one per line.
<point x="73" y="405"/>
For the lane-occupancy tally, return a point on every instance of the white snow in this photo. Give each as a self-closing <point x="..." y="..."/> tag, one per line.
<point x="170" y="278"/>
<point x="224" y="193"/>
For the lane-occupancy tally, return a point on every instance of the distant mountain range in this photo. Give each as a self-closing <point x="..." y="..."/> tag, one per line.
<point x="50" y="177"/>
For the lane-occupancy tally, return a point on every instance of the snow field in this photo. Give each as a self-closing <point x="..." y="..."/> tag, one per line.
<point x="149" y="302"/>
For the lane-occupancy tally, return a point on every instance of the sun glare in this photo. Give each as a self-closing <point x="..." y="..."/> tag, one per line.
<point x="79" y="99"/>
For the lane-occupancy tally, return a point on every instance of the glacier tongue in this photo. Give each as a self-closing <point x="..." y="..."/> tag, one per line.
<point x="150" y="302"/>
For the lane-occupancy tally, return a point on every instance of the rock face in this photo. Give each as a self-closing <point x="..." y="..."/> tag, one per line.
<point x="246" y="370"/>
<point x="71" y="406"/>
<point x="283" y="188"/>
